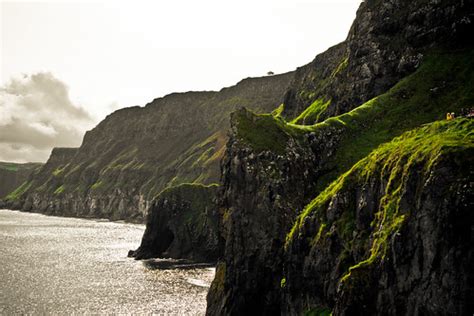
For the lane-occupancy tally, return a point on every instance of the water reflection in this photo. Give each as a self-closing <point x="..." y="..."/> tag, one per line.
<point x="63" y="265"/>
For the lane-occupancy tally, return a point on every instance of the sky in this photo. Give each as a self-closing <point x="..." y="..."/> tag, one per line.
<point x="65" y="65"/>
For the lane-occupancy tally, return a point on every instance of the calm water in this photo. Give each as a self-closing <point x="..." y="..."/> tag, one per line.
<point x="65" y="265"/>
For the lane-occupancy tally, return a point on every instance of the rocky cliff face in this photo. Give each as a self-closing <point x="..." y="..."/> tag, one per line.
<point x="393" y="235"/>
<point x="137" y="152"/>
<point x="373" y="250"/>
<point x="13" y="175"/>
<point x="387" y="41"/>
<point x="182" y="223"/>
<point x="259" y="200"/>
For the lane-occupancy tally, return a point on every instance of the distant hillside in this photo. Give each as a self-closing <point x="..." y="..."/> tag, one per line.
<point x="12" y="175"/>
<point x="136" y="152"/>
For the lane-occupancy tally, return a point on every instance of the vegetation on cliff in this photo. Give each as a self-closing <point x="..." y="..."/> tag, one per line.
<point x="13" y="175"/>
<point x="392" y="207"/>
<point x="373" y="205"/>
<point x="444" y="83"/>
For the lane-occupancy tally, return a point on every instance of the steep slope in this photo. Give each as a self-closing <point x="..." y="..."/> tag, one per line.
<point x="273" y="169"/>
<point x="136" y="152"/>
<point x="387" y="41"/>
<point x="12" y="175"/>
<point x="392" y="236"/>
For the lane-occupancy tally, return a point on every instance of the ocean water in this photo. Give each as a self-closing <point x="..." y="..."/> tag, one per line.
<point x="58" y="265"/>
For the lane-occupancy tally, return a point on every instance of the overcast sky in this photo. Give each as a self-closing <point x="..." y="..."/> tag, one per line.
<point x="112" y="54"/>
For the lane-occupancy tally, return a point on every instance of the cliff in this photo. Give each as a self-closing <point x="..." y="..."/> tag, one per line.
<point x="408" y="64"/>
<point x="13" y="175"/>
<point x="182" y="223"/>
<point x="392" y="236"/>
<point x="135" y="153"/>
<point x="387" y="41"/>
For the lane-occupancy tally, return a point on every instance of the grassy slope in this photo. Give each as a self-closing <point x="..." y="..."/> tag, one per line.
<point x="14" y="167"/>
<point x="418" y="149"/>
<point x="444" y="83"/>
<point x="176" y="139"/>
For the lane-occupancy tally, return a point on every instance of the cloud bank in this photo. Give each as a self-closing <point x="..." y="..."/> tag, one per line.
<point x="36" y="114"/>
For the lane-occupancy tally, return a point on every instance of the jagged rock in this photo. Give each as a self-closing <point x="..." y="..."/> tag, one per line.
<point x="255" y="218"/>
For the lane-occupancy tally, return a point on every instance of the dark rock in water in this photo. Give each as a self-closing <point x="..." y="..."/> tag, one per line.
<point x="171" y="264"/>
<point x="182" y="223"/>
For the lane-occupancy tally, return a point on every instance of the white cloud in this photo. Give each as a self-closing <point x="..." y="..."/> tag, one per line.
<point x="36" y="114"/>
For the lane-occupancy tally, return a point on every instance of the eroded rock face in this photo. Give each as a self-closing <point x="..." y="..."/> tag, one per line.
<point x="259" y="199"/>
<point x="386" y="42"/>
<point x="422" y="240"/>
<point x="182" y="223"/>
<point x="373" y="249"/>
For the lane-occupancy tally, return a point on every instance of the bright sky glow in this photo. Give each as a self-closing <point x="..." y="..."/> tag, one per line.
<point x="122" y="53"/>
<point x="113" y="54"/>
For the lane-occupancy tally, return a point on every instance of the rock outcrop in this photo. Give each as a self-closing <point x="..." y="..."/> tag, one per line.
<point x="182" y="223"/>
<point x="135" y="153"/>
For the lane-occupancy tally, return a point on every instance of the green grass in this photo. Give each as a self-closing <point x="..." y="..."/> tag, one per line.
<point x="443" y="83"/>
<point x="59" y="190"/>
<point x="263" y="131"/>
<point x="312" y="112"/>
<point x="277" y="112"/>
<point x="318" y="311"/>
<point x="15" y="167"/>
<point x="97" y="185"/>
<point x="58" y="171"/>
<point x="415" y="151"/>
<point x="18" y="192"/>
<point x="342" y="65"/>
<point x="9" y="167"/>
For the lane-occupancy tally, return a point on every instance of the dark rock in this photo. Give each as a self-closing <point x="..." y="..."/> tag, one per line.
<point x="182" y="223"/>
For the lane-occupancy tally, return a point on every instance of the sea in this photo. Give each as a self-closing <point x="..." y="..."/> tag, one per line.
<point x="62" y="266"/>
